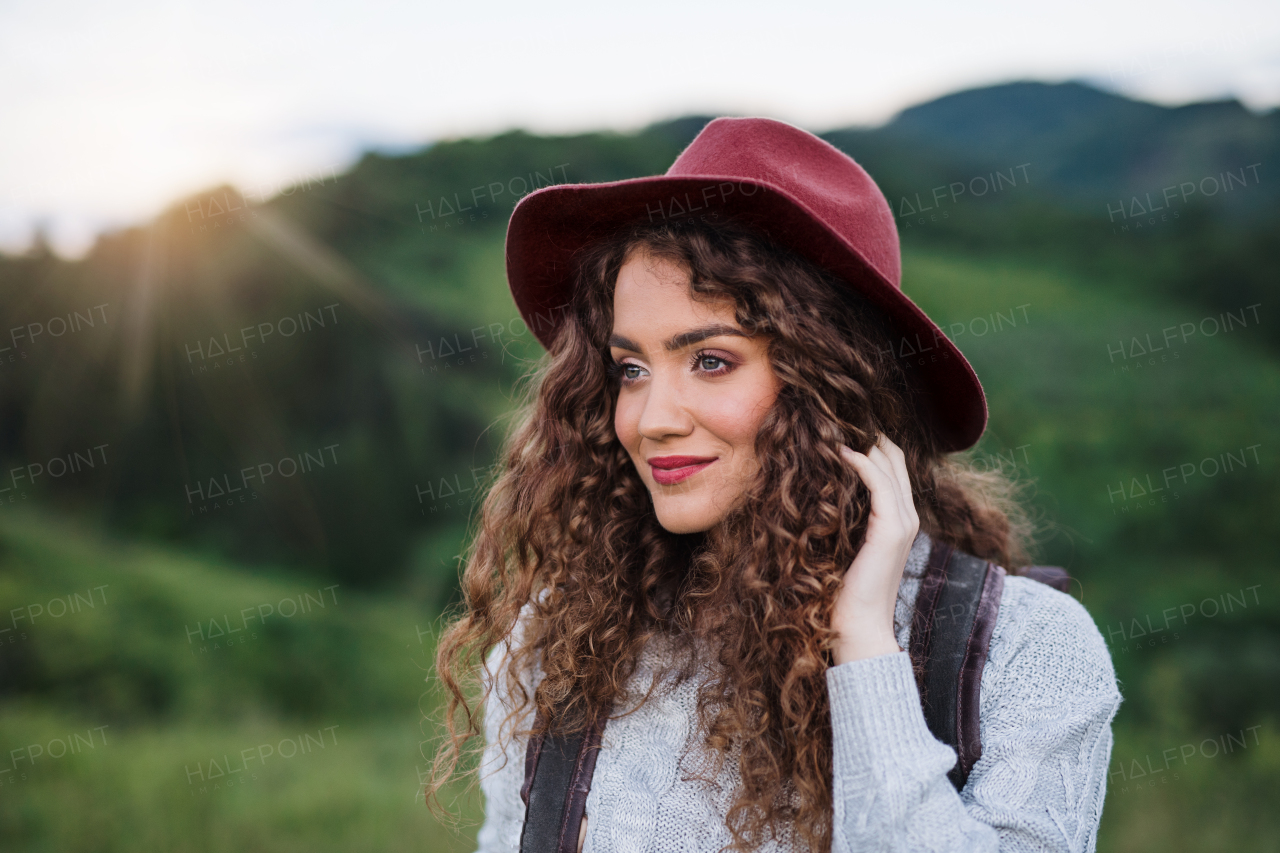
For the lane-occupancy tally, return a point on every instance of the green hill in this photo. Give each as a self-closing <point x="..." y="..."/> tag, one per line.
<point x="150" y="659"/>
<point x="254" y="402"/>
<point x="184" y="704"/>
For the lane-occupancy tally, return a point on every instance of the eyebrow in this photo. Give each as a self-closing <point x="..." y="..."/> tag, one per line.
<point x="682" y="340"/>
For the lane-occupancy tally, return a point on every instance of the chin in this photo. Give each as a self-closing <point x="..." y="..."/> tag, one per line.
<point x="697" y="517"/>
<point x="680" y="523"/>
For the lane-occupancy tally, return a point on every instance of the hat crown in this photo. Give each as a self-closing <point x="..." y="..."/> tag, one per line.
<point x="812" y="171"/>
<point x="785" y="185"/>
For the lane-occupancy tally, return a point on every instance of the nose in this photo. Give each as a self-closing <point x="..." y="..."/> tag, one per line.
<point x="665" y="412"/>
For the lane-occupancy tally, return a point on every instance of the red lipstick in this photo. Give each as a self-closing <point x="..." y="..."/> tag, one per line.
<point x="668" y="470"/>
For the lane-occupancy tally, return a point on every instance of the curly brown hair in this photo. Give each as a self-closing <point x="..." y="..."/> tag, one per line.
<point x="568" y="534"/>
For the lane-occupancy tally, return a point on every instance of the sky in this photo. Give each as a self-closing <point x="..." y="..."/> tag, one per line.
<point x="111" y="111"/>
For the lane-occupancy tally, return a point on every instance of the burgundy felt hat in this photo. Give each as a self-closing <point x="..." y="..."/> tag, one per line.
<point x="791" y="187"/>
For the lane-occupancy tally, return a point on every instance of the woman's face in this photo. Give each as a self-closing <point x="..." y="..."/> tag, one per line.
<point x="693" y="385"/>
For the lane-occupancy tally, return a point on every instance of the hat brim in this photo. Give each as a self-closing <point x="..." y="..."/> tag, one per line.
<point x="550" y="225"/>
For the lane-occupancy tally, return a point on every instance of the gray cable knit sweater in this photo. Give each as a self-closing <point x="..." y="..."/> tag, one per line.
<point x="1048" y="697"/>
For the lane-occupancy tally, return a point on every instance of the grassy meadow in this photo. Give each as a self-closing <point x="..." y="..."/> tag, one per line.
<point x="179" y="726"/>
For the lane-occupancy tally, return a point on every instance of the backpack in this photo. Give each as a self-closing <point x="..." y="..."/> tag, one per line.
<point x="955" y="613"/>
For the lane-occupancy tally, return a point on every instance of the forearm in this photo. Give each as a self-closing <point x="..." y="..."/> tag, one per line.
<point x="1039" y="785"/>
<point x="891" y="790"/>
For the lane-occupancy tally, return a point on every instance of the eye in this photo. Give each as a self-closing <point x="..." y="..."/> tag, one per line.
<point x="618" y="371"/>
<point x="698" y="363"/>
<point x="701" y="358"/>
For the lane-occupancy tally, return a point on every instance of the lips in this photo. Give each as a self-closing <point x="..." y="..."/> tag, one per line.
<point x="668" y="470"/>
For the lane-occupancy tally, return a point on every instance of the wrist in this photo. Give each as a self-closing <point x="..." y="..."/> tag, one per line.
<point x="861" y="647"/>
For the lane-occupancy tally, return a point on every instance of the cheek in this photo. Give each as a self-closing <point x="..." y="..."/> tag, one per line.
<point x="735" y="419"/>
<point x="626" y="423"/>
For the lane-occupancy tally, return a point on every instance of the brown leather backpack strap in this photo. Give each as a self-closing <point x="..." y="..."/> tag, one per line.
<point x="1054" y="576"/>
<point x="576" y="804"/>
<point x="531" y="753"/>
<point x="935" y="577"/>
<point x="956" y="608"/>
<point x="557" y="779"/>
<point x="968" y="732"/>
<point x="968" y="737"/>
<point x="955" y="617"/>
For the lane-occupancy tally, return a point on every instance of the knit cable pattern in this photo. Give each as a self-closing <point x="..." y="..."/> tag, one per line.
<point x="1049" y="695"/>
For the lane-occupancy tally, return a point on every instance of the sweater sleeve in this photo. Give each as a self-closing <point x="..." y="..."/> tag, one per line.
<point x="1047" y="700"/>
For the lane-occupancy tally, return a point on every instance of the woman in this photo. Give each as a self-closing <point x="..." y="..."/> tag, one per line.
<point x="713" y="519"/>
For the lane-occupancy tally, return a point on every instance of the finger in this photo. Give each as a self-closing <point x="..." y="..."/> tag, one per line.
<point x="873" y="474"/>
<point x="899" y="459"/>
<point x="878" y="455"/>
<point x="888" y="456"/>
<point x="889" y="466"/>
<point x="880" y="484"/>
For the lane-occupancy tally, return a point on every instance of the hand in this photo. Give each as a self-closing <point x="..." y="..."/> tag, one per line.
<point x="863" y="615"/>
